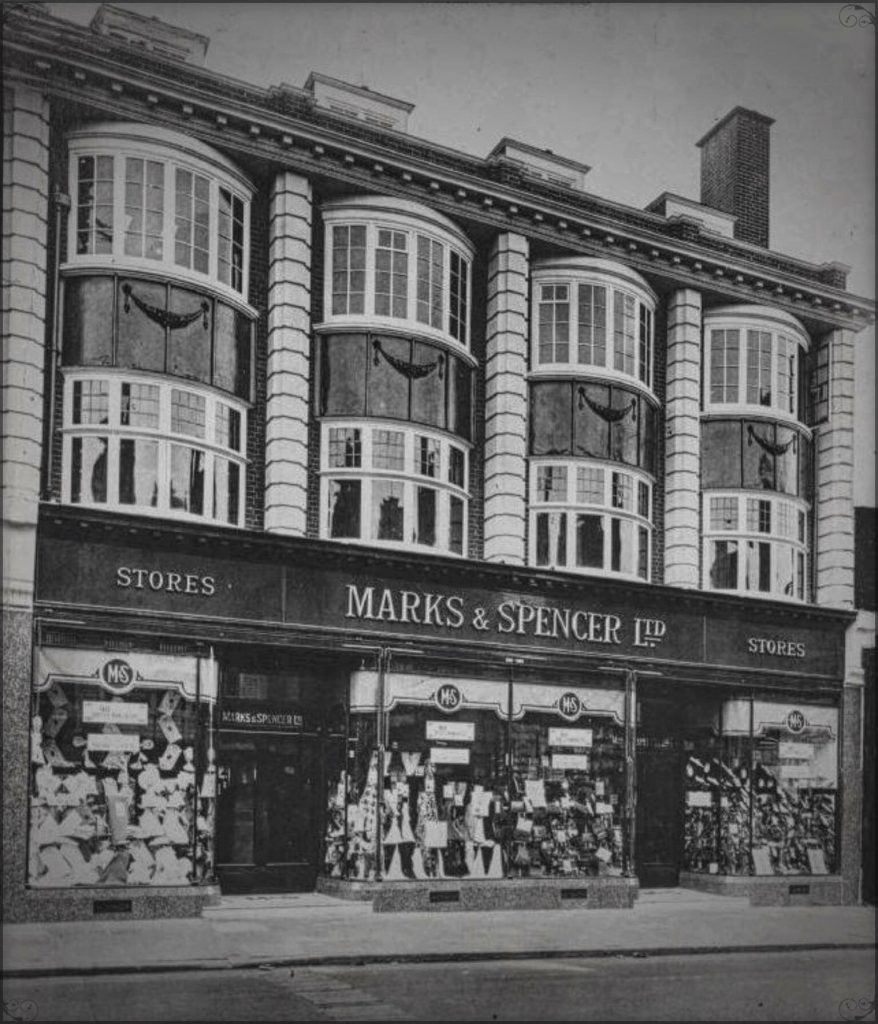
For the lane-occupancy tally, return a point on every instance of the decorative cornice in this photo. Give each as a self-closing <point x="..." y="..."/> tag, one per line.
<point x="283" y="127"/>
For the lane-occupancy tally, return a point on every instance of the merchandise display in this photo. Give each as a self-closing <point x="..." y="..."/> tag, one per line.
<point x="113" y="796"/>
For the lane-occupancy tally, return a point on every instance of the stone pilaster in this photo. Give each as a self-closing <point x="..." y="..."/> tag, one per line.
<point x="683" y="440"/>
<point x="834" y="497"/>
<point x="506" y="401"/>
<point x="288" y="365"/>
<point x="25" y="283"/>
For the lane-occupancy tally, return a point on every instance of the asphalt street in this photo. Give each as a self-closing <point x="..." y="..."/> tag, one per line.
<point x="827" y="985"/>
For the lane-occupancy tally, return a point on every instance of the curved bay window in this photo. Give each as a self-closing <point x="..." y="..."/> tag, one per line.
<point x="151" y="198"/>
<point x="753" y="358"/>
<point x="755" y="545"/>
<point x="592" y="313"/>
<point x="141" y="443"/>
<point x="397" y="264"/>
<point x="590" y="517"/>
<point x="384" y="484"/>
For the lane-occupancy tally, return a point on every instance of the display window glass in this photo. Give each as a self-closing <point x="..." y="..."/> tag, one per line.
<point x="760" y="790"/>
<point x="123" y="779"/>
<point x="460" y="790"/>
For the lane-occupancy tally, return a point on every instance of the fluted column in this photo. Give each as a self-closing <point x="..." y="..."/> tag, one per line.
<point x="834" y="497"/>
<point x="288" y="363"/>
<point x="683" y="439"/>
<point x="506" y="401"/>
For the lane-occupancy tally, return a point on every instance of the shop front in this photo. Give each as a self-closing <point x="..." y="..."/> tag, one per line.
<point x="427" y="734"/>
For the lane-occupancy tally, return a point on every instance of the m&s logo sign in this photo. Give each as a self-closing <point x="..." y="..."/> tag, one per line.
<point x="448" y="697"/>
<point x="117" y="675"/>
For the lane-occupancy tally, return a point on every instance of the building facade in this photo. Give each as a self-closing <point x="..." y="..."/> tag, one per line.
<point x="402" y="523"/>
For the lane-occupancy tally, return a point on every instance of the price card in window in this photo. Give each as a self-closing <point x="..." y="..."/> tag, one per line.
<point x="112" y="712"/>
<point x="698" y="798"/>
<point x="796" y="751"/>
<point x="570" y="762"/>
<point x="796" y="771"/>
<point x="113" y="742"/>
<point x="458" y="732"/>
<point x="570" y="737"/>
<point x="449" y="755"/>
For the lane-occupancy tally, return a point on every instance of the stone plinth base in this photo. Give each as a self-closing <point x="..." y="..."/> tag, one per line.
<point x="117" y="903"/>
<point x="478" y="894"/>
<point x="771" y="890"/>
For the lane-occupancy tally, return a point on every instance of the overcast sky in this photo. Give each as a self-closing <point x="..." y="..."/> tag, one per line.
<point x="627" y="88"/>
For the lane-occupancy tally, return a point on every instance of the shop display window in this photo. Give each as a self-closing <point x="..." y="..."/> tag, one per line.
<point x="123" y="784"/>
<point x="762" y="802"/>
<point x="460" y="792"/>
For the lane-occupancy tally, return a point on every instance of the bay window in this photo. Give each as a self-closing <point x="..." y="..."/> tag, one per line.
<point x="755" y="545"/>
<point x="400" y="264"/>
<point x="389" y="484"/>
<point x="590" y="517"/>
<point x="166" y="202"/>
<point x="139" y="443"/>
<point x="592" y="313"/>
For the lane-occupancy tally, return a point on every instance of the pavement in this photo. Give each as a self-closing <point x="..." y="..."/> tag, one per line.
<point x="309" y="929"/>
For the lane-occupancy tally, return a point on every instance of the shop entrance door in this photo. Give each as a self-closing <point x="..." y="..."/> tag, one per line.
<point x="268" y="813"/>
<point x="659" y="820"/>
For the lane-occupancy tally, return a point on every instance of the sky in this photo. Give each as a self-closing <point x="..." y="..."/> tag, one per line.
<point x="626" y="88"/>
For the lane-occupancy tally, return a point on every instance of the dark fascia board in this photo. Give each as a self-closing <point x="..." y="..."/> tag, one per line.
<point x="281" y="114"/>
<point x="94" y="525"/>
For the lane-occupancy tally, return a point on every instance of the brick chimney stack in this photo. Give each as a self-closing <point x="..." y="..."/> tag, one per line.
<point x="735" y="171"/>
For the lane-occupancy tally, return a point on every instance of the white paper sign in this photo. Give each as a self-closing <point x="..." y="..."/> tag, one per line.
<point x="449" y="755"/>
<point x="566" y="761"/>
<point x="698" y="798"/>
<point x="113" y="742"/>
<point x="796" y="751"/>
<point x="459" y="732"/>
<point x="796" y="771"/>
<point x="569" y="737"/>
<point x="106" y="711"/>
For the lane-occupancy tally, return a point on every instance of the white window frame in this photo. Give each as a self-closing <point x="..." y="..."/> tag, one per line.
<point x="569" y="503"/>
<point x="163" y="435"/>
<point x="409" y="476"/>
<point x="616" y="281"/>
<point x="376" y="214"/>
<point x="743" y="533"/>
<point x="783" y="406"/>
<point x="119" y="142"/>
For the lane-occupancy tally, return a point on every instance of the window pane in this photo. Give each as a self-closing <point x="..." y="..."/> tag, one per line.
<point x="138" y="472"/>
<point x="758" y="368"/>
<point x="786" y="462"/>
<point x="644" y="351"/>
<point x="720" y="453"/>
<point x="387" y="392"/>
<point x="426" y="528"/>
<point x="649" y="428"/>
<point x="623" y="333"/>
<point x="140" y="405"/>
<point x="343" y="375"/>
<point x="785" y="570"/>
<point x="187" y="413"/>
<point x="590" y="486"/>
<point x="226" y="490"/>
<point x="624" y="432"/>
<point x="592" y="325"/>
<point x="231" y="357"/>
<point x="758" y="516"/>
<point x="388" y="449"/>
<point x="189" y="344"/>
<point x="428" y="385"/>
<point x="723" y="513"/>
<point x="552" y="538"/>
<point x="550" y="419"/>
<point x="427" y="456"/>
<point x="345" y="449"/>
<point x="724" y="366"/>
<point x="554" y="324"/>
<point x="551" y="483"/>
<point x="187" y="479"/>
<point x="391" y="274"/>
<point x="228" y="427"/>
<point x="592" y="431"/>
<point x="456" y="466"/>
<point x="643" y="499"/>
<point x="348" y="269"/>
<point x="387" y="510"/>
<point x="622" y="491"/>
<point x="757" y="568"/>
<point x="723" y="564"/>
<point x="643" y="553"/>
<point x="459" y="301"/>
<point x="344" y="508"/>
<point x="621" y="545"/>
<point x="91" y="402"/>
<point x="459" y="397"/>
<point x="590" y="542"/>
<point x="758" y="460"/>
<point x="455" y="525"/>
<point x="88" y="470"/>
<point x="140" y="339"/>
<point x="88" y="321"/>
